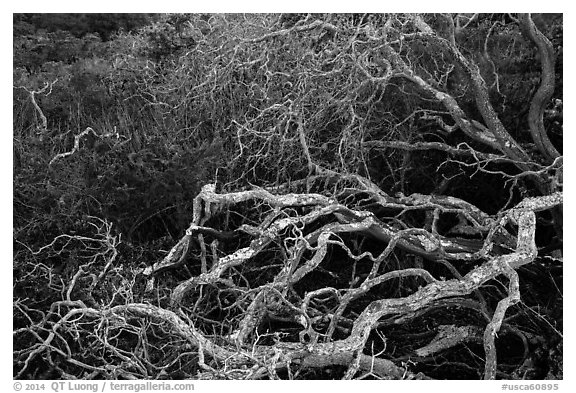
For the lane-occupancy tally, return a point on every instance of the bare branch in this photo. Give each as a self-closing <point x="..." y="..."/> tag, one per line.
<point x="545" y="91"/>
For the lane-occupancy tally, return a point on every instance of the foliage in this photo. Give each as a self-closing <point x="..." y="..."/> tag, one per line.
<point x="105" y="25"/>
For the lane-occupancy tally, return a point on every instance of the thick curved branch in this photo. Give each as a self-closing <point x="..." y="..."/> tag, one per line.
<point x="449" y="336"/>
<point x="546" y="89"/>
<point x="525" y="252"/>
<point x="505" y="142"/>
<point x="479" y="134"/>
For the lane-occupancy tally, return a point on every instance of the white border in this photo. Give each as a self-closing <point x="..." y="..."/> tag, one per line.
<point x="290" y="6"/>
